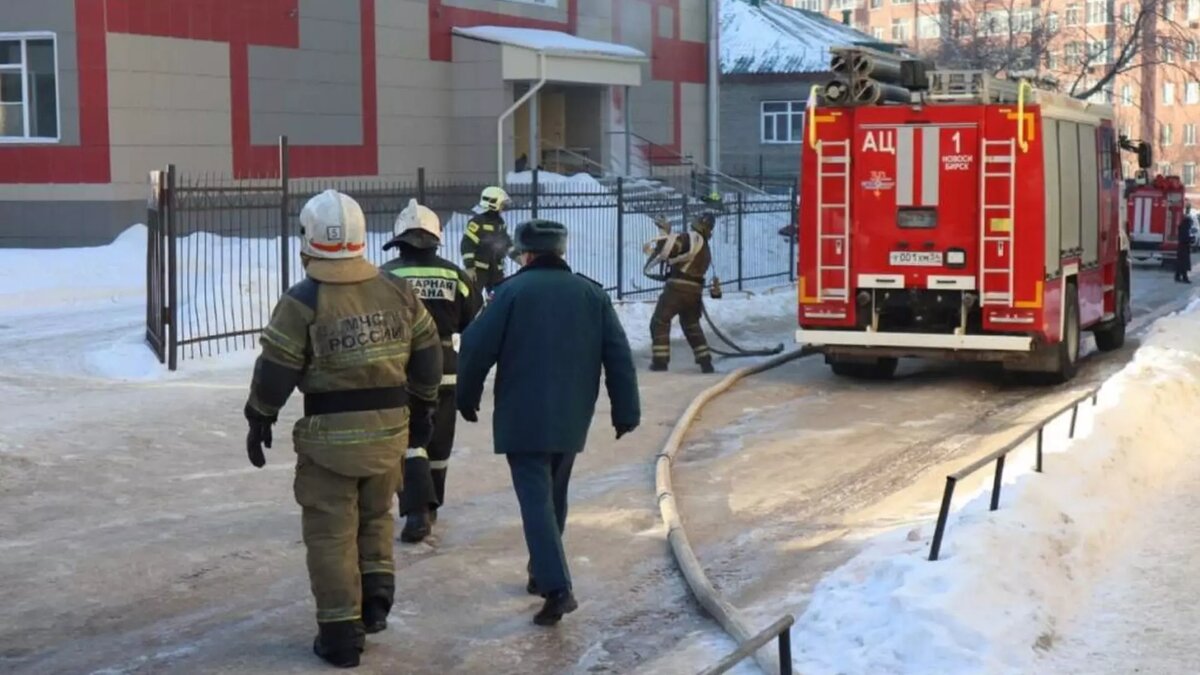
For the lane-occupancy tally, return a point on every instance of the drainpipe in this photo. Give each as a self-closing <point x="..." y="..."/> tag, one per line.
<point x="714" y="74"/>
<point x="505" y="115"/>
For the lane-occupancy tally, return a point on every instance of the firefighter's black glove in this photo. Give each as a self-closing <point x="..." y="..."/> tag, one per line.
<point x="623" y="429"/>
<point x="420" y="423"/>
<point x="468" y="413"/>
<point x="258" y="436"/>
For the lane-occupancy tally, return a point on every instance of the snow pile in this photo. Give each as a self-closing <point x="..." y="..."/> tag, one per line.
<point x="772" y="38"/>
<point x="40" y="279"/>
<point x="549" y="41"/>
<point x="1008" y="579"/>
<point x="580" y="182"/>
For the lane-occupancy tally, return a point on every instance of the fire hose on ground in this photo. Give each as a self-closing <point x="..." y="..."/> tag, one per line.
<point x="728" y="616"/>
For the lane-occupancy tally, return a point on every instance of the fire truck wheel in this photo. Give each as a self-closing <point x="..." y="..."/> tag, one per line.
<point x="1068" y="347"/>
<point x="1111" y="336"/>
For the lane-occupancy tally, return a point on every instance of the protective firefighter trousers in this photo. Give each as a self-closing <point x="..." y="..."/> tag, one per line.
<point x="347" y="526"/>
<point x="685" y="304"/>
<point x="425" y="469"/>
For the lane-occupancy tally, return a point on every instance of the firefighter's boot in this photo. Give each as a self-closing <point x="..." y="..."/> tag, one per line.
<point x="658" y="365"/>
<point x="416" y="527"/>
<point x="706" y="366"/>
<point x="378" y="594"/>
<point x="340" y="643"/>
<point x="557" y="604"/>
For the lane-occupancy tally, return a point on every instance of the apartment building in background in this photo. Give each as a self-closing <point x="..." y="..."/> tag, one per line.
<point x="94" y="94"/>
<point x="1158" y="100"/>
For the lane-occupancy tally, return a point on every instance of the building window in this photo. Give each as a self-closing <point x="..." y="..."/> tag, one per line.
<point x="782" y="121"/>
<point x="1189" y="50"/>
<point x="1052" y="22"/>
<point x="877" y="32"/>
<point x="1169" y="93"/>
<point x="811" y="5"/>
<point x="900" y="30"/>
<point x="1192" y="93"/>
<point x="1098" y="52"/>
<point x="840" y="5"/>
<point x="1189" y="174"/>
<point x="1127" y="13"/>
<point x="1052" y="60"/>
<point x="1126" y="95"/>
<point x="28" y="87"/>
<point x="1164" y="168"/>
<point x="876" y="4"/>
<point x="929" y="27"/>
<point x="1189" y="134"/>
<point x="1073" y="53"/>
<point x="1165" y="136"/>
<point x="902" y="2"/>
<point x="1097" y="12"/>
<point x="1072" y="15"/>
<point x="1168" y="10"/>
<point x="1193" y="10"/>
<point x="1166" y="54"/>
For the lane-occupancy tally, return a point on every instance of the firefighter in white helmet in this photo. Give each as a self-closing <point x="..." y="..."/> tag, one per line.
<point x="364" y="352"/>
<point x="486" y="241"/>
<point x="451" y="299"/>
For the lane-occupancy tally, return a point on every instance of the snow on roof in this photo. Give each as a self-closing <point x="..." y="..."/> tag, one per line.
<point x="550" y="41"/>
<point x="772" y="38"/>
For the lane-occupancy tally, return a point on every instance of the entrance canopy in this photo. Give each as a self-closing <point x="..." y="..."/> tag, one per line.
<point x="569" y="59"/>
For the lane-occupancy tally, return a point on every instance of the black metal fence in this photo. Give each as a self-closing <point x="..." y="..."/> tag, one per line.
<point x="223" y="251"/>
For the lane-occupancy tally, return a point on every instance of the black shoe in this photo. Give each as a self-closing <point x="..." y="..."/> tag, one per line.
<point x="706" y="367"/>
<point x="416" y="527"/>
<point x="658" y="366"/>
<point x="557" y="604"/>
<point x="378" y="592"/>
<point x="340" y="643"/>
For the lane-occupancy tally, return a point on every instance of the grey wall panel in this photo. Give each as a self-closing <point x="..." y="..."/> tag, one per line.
<point x="40" y="224"/>
<point x="1089" y="194"/>
<point x="1068" y="176"/>
<point x="1053" y="197"/>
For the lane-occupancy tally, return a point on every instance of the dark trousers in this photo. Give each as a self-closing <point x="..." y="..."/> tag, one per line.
<point x="1183" y="263"/>
<point x="424" y="485"/>
<point x="540" y="481"/>
<point x="687" y="305"/>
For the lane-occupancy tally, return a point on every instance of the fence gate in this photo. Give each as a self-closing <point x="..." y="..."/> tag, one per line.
<point x="159" y="258"/>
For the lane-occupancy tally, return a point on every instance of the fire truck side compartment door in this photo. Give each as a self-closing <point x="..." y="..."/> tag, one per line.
<point x="1053" y="197"/>
<point x="1068" y="178"/>
<point x="1089" y="194"/>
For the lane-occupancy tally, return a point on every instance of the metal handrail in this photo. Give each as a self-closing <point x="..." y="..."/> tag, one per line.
<point x="575" y="155"/>
<point x="780" y="629"/>
<point x="998" y="456"/>
<point x="688" y="160"/>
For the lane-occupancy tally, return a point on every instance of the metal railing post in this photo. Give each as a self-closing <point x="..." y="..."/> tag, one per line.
<point x="533" y="187"/>
<point x="996" y="482"/>
<point x="421" y="197"/>
<point x="792" y="236"/>
<point x="620" y="237"/>
<point x="285" y="248"/>
<point x="741" y="204"/>
<point x="1038" y="467"/>
<point x="172" y="273"/>
<point x="1074" y="415"/>
<point x="785" y="652"/>
<point x="939" y="530"/>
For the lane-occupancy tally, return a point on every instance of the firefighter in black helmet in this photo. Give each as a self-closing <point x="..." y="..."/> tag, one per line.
<point x="688" y="259"/>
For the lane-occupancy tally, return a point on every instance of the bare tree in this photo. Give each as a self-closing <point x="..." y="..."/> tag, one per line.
<point x="1081" y="51"/>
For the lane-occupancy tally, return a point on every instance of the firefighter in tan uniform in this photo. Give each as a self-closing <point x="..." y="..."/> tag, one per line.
<point x="361" y="347"/>
<point x="688" y="259"/>
<point x="486" y="241"/>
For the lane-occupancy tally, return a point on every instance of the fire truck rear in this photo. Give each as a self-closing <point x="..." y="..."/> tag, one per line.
<point x="962" y="217"/>
<point x="1154" y="212"/>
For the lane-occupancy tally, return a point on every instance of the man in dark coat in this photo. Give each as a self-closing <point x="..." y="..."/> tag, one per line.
<point x="549" y="333"/>
<point x="1183" y="249"/>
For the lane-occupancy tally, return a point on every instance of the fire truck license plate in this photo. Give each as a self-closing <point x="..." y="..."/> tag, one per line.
<point x="916" y="258"/>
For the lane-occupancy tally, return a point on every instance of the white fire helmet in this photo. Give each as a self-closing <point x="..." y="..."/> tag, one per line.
<point x="493" y="199"/>
<point x="418" y="217"/>
<point x="333" y="227"/>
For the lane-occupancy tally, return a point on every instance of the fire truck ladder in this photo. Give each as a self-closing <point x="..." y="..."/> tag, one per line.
<point x="833" y="163"/>
<point x="999" y="164"/>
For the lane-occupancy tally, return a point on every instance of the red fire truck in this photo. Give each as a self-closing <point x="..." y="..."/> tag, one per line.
<point x="978" y="220"/>
<point x="1153" y="211"/>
